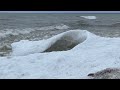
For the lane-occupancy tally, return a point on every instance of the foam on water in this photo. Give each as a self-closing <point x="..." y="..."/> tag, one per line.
<point x="89" y="17"/>
<point x="6" y="32"/>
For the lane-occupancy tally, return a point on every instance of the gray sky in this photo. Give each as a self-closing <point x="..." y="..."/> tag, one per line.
<point x="59" y="11"/>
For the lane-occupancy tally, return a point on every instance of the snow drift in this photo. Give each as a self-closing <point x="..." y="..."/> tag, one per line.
<point x="61" y="42"/>
<point x="90" y="55"/>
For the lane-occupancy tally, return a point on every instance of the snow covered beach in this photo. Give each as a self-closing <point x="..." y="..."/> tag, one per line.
<point x="83" y="53"/>
<point x="58" y="46"/>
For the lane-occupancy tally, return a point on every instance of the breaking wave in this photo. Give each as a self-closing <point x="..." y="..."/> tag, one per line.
<point x="6" y="32"/>
<point x="89" y="17"/>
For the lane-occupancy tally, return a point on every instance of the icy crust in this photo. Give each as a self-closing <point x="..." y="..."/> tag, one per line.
<point x="61" y="42"/>
<point x="89" y="17"/>
<point x="92" y="54"/>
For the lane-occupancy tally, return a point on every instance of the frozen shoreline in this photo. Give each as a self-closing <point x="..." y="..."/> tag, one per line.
<point x="91" y="54"/>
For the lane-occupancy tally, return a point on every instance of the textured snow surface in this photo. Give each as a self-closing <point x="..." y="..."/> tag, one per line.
<point x="90" y="54"/>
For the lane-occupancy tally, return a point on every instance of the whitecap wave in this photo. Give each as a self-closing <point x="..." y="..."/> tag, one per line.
<point x="89" y="17"/>
<point x="6" y="32"/>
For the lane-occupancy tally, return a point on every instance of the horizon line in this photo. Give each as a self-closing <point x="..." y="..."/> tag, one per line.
<point x="59" y="11"/>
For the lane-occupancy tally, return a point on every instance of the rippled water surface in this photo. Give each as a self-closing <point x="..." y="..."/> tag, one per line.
<point x="35" y="26"/>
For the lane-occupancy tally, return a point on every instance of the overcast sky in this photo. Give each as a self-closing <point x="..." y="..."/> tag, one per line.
<point x="59" y="11"/>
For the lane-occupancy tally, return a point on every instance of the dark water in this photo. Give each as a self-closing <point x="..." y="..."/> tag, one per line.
<point x="21" y="21"/>
<point x="74" y="21"/>
<point x="107" y="25"/>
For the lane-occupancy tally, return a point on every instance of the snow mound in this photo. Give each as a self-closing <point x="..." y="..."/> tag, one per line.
<point x="91" y="54"/>
<point x="62" y="42"/>
<point x="89" y="17"/>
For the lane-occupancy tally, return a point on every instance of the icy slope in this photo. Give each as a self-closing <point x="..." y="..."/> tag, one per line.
<point x="89" y="54"/>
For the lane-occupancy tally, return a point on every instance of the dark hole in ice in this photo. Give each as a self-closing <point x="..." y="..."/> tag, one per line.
<point x="4" y="50"/>
<point x="91" y="74"/>
<point x="66" y="42"/>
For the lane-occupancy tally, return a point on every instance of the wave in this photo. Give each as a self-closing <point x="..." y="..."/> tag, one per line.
<point x="7" y="32"/>
<point x="95" y="24"/>
<point x="109" y="25"/>
<point x="83" y="23"/>
<point x="89" y="17"/>
<point x="116" y="24"/>
<point x="5" y="19"/>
